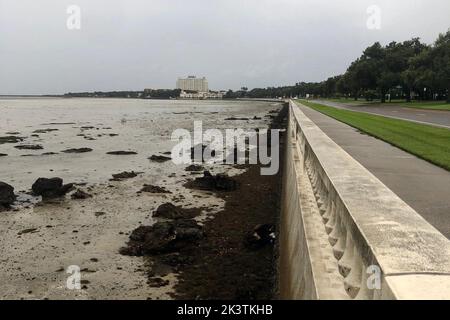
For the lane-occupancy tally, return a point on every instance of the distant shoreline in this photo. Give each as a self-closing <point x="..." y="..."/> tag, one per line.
<point x="30" y="96"/>
<point x="87" y="97"/>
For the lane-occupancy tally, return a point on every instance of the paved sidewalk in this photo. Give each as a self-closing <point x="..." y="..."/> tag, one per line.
<point x="431" y="117"/>
<point x="424" y="186"/>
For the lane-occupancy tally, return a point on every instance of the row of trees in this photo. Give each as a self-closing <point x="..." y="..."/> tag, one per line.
<point x="161" y="93"/>
<point x="409" y="70"/>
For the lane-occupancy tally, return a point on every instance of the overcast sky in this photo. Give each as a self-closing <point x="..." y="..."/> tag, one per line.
<point x="136" y="44"/>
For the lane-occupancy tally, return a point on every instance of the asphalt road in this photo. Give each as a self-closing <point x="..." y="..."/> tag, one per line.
<point x="422" y="185"/>
<point x="431" y="117"/>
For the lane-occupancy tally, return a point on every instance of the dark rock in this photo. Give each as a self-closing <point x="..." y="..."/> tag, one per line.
<point x="30" y="230"/>
<point x="154" y="189"/>
<point x="121" y="153"/>
<point x="10" y="139"/>
<point x="219" y="182"/>
<point x="194" y="168"/>
<point x="157" y="282"/>
<point x="7" y="196"/>
<point x="3" y="155"/>
<point x="158" y="158"/>
<point x="170" y="211"/>
<point x="124" y="175"/>
<point x="256" y="118"/>
<point x="234" y="118"/>
<point x="49" y="153"/>
<point x="57" y="123"/>
<point x="50" y="188"/>
<point x="29" y="147"/>
<point x="163" y="237"/>
<point x="77" y="150"/>
<point x="44" y="130"/>
<point x="262" y="235"/>
<point x="80" y="194"/>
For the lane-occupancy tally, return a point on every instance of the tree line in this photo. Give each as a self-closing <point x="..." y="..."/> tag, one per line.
<point x="400" y="70"/>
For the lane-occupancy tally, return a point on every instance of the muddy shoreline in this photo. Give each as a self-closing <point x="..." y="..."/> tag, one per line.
<point x="113" y="195"/>
<point x="225" y="264"/>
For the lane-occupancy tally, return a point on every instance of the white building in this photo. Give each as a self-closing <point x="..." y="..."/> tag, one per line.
<point x="193" y="83"/>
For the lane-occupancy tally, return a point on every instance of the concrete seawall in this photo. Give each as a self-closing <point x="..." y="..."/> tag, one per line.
<point x="345" y="235"/>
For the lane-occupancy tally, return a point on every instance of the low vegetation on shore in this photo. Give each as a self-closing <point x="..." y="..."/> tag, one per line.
<point x="410" y="70"/>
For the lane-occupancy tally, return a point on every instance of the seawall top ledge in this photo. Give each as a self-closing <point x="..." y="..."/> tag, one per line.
<point x="402" y="242"/>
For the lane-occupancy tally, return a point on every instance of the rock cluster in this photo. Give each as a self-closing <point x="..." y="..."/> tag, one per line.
<point x="153" y="189"/>
<point x="7" y="196"/>
<point x="50" y="188"/>
<point x="77" y="150"/>
<point x="124" y="175"/>
<point x="163" y="237"/>
<point x="158" y="158"/>
<point x="219" y="182"/>
<point x="121" y="153"/>
<point x="29" y="147"/>
<point x="170" y="211"/>
<point x="10" y="139"/>
<point x="194" y="168"/>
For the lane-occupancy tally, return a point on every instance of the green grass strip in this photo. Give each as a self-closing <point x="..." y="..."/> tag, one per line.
<point x="427" y="105"/>
<point x="427" y="142"/>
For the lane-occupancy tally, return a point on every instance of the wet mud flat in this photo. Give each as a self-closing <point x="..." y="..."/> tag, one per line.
<point x="226" y="265"/>
<point x="234" y="262"/>
<point x="233" y="255"/>
<point x="115" y="157"/>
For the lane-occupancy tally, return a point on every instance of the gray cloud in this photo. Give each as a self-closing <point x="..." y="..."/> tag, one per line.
<point x="135" y="44"/>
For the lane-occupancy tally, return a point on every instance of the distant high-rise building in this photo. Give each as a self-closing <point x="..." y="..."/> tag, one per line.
<point x="192" y="83"/>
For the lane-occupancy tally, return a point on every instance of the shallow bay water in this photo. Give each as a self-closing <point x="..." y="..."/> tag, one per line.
<point x="88" y="233"/>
